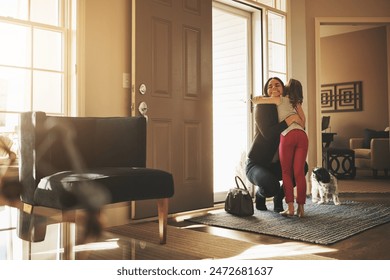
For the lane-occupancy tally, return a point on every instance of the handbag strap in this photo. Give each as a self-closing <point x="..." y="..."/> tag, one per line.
<point x="242" y="183"/>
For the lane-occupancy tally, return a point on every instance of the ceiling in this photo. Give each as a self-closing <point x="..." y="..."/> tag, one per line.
<point x="331" y="30"/>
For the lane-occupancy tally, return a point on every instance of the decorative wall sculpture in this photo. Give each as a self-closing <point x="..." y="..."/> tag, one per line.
<point x="341" y="97"/>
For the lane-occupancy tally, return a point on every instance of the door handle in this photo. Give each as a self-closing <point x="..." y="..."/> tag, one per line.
<point x="143" y="108"/>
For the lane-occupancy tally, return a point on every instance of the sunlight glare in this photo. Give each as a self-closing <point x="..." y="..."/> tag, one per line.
<point x="284" y="250"/>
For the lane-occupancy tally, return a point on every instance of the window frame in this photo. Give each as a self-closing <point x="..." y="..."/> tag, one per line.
<point x="67" y="28"/>
<point x="272" y="72"/>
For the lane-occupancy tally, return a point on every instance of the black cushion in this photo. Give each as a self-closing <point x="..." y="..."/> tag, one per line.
<point x="100" y="186"/>
<point x="370" y="134"/>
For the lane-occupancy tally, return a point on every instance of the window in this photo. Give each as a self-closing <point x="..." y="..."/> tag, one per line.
<point x="277" y="4"/>
<point x="277" y="45"/>
<point x="33" y="58"/>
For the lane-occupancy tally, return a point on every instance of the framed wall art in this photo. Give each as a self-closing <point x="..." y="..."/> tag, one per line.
<point x="341" y="97"/>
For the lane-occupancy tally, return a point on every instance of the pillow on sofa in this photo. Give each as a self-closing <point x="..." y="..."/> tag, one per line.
<point x="370" y="134"/>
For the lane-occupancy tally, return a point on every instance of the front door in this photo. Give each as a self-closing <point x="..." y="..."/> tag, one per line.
<point x="172" y="79"/>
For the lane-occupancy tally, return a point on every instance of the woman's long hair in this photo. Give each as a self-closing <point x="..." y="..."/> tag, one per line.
<point x="294" y="92"/>
<point x="265" y="93"/>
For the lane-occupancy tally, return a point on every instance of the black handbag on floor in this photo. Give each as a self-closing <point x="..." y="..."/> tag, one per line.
<point x="238" y="200"/>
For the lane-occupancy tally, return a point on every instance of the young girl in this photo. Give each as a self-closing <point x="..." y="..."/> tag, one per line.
<point x="293" y="141"/>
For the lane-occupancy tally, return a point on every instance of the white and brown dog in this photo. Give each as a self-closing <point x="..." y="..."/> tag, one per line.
<point x="324" y="186"/>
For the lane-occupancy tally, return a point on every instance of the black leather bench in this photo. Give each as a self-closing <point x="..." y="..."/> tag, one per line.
<point x="69" y="163"/>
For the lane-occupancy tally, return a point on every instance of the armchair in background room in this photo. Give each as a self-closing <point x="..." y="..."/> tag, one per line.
<point x="69" y="163"/>
<point x="372" y="151"/>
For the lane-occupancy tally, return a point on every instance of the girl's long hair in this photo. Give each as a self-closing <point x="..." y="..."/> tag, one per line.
<point x="294" y="92"/>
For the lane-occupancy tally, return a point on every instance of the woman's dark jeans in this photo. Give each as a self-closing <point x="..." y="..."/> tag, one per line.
<point x="265" y="178"/>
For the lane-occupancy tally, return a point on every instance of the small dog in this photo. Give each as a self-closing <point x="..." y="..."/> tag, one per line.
<point x="323" y="186"/>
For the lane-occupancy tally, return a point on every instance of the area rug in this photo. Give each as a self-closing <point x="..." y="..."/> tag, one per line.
<point x="323" y="224"/>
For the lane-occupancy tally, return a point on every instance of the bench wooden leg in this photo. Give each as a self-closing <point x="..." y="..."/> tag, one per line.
<point x="30" y="227"/>
<point x="162" y="206"/>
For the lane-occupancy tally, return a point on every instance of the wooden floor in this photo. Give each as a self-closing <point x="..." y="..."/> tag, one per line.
<point x="372" y="244"/>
